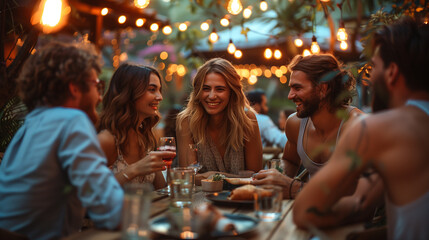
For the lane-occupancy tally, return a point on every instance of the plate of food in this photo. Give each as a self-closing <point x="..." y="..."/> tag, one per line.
<point x="240" y="195"/>
<point x="204" y="222"/>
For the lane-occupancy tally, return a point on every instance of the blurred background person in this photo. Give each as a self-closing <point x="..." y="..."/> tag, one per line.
<point x="130" y="112"/>
<point x="283" y="115"/>
<point x="271" y="135"/>
<point x="220" y="122"/>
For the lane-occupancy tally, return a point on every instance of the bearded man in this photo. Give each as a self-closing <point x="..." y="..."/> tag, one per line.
<point x="393" y="141"/>
<point x="322" y="92"/>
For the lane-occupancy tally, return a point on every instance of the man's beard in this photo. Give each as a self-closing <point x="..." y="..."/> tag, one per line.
<point x="309" y="106"/>
<point x="381" y="96"/>
<point x="86" y="106"/>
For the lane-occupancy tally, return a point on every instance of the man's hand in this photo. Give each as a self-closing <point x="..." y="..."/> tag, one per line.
<point x="274" y="177"/>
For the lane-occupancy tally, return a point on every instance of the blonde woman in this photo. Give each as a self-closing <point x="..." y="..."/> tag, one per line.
<point x="220" y="123"/>
<point x="130" y="111"/>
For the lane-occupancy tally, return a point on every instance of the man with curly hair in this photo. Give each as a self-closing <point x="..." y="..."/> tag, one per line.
<point x="54" y="167"/>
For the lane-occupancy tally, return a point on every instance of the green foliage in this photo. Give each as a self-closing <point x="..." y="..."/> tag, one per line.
<point x="11" y="118"/>
<point x="218" y="177"/>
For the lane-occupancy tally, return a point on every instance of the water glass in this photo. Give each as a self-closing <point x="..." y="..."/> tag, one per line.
<point x="181" y="186"/>
<point x="268" y="203"/>
<point x="136" y="211"/>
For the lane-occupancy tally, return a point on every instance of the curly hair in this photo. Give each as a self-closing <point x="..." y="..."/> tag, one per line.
<point x="45" y="77"/>
<point x="325" y="68"/>
<point x="237" y="125"/>
<point x="119" y="115"/>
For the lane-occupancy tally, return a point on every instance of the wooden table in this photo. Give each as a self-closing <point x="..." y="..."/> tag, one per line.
<point x="282" y="229"/>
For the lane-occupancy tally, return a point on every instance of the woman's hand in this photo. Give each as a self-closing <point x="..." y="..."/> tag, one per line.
<point x="151" y="163"/>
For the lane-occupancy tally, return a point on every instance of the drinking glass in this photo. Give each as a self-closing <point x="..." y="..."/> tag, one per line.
<point x="167" y="144"/>
<point x="195" y="165"/>
<point x="182" y="179"/>
<point x="268" y="203"/>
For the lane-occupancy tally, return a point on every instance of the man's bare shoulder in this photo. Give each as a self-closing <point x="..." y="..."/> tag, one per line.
<point x="292" y="127"/>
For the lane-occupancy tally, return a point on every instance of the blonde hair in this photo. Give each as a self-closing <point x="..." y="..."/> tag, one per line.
<point x="237" y="126"/>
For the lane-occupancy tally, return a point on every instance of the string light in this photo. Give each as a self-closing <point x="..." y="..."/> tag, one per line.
<point x="342" y="34"/>
<point x="343" y="45"/>
<point x="252" y="79"/>
<point x="225" y="21"/>
<point x="315" y="49"/>
<point x="231" y="47"/>
<point x="238" y="54"/>
<point x="234" y="7"/>
<point x="277" y="54"/>
<point x="141" y="3"/>
<point x="140" y="22"/>
<point x="154" y="27"/>
<point x="247" y="12"/>
<point x="205" y="26"/>
<point x="306" y="52"/>
<point x="298" y="42"/>
<point x="104" y="11"/>
<point x="213" y="37"/>
<point x="263" y="5"/>
<point x="122" y="19"/>
<point x="268" y="53"/>
<point x="183" y="27"/>
<point x="167" y="30"/>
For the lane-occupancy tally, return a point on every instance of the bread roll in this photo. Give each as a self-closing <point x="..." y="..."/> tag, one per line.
<point x="247" y="192"/>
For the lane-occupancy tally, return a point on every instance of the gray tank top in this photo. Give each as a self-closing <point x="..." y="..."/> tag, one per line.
<point x="409" y="221"/>
<point x="312" y="167"/>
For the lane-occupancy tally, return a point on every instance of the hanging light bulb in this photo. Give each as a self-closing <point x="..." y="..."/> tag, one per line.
<point x="342" y="34"/>
<point x="298" y="42"/>
<point x="139" y="22"/>
<point x="325" y="0"/>
<point x="122" y="19"/>
<point x="306" y="52"/>
<point x="141" y="3"/>
<point x="315" y="49"/>
<point x="247" y="12"/>
<point x="213" y="37"/>
<point x="167" y="30"/>
<point x="224" y="21"/>
<point x="183" y="27"/>
<point x="231" y="47"/>
<point x="154" y="27"/>
<point x="104" y="11"/>
<point x="238" y="54"/>
<point x="277" y="54"/>
<point x="268" y="53"/>
<point x="204" y="26"/>
<point x="343" y="45"/>
<point x="235" y="7"/>
<point x="263" y="5"/>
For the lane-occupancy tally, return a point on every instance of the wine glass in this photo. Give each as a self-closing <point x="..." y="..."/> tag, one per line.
<point x="195" y="165"/>
<point x="167" y="144"/>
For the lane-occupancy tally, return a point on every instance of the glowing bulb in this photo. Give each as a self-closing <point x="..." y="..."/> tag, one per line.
<point x="139" y="22"/>
<point x="268" y="53"/>
<point x="122" y="19"/>
<point x="277" y="54"/>
<point x="224" y="22"/>
<point x="163" y="55"/>
<point x="306" y="52"/>
<point x="342" y="34"/>
<point x="263" y="5"/>
<point x="205" y="26"/>
<point x="154" y="27"/>
<point x="315" y="49"/>
<point x="325" y="0"/>
<point x="231" y="47"/>
<point x="252" y="79"/>
<point x="238" y="54"/>
<point x="235" y="7"/>
<point x="167" y="30"/>
<point x="247" y="12"/>
<point x="183" y="27"/>
<point x="298" y="42"/>
<point x="141" y="3"/>
<point x="104" y="11"/>
<point x="52" y="12"/>
<point x="343" y="45"/>
<point x="213" y="37"/>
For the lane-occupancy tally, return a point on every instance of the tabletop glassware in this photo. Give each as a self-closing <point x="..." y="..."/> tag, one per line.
<point x="167" y="144"/>
<point x="195" y="165"/>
